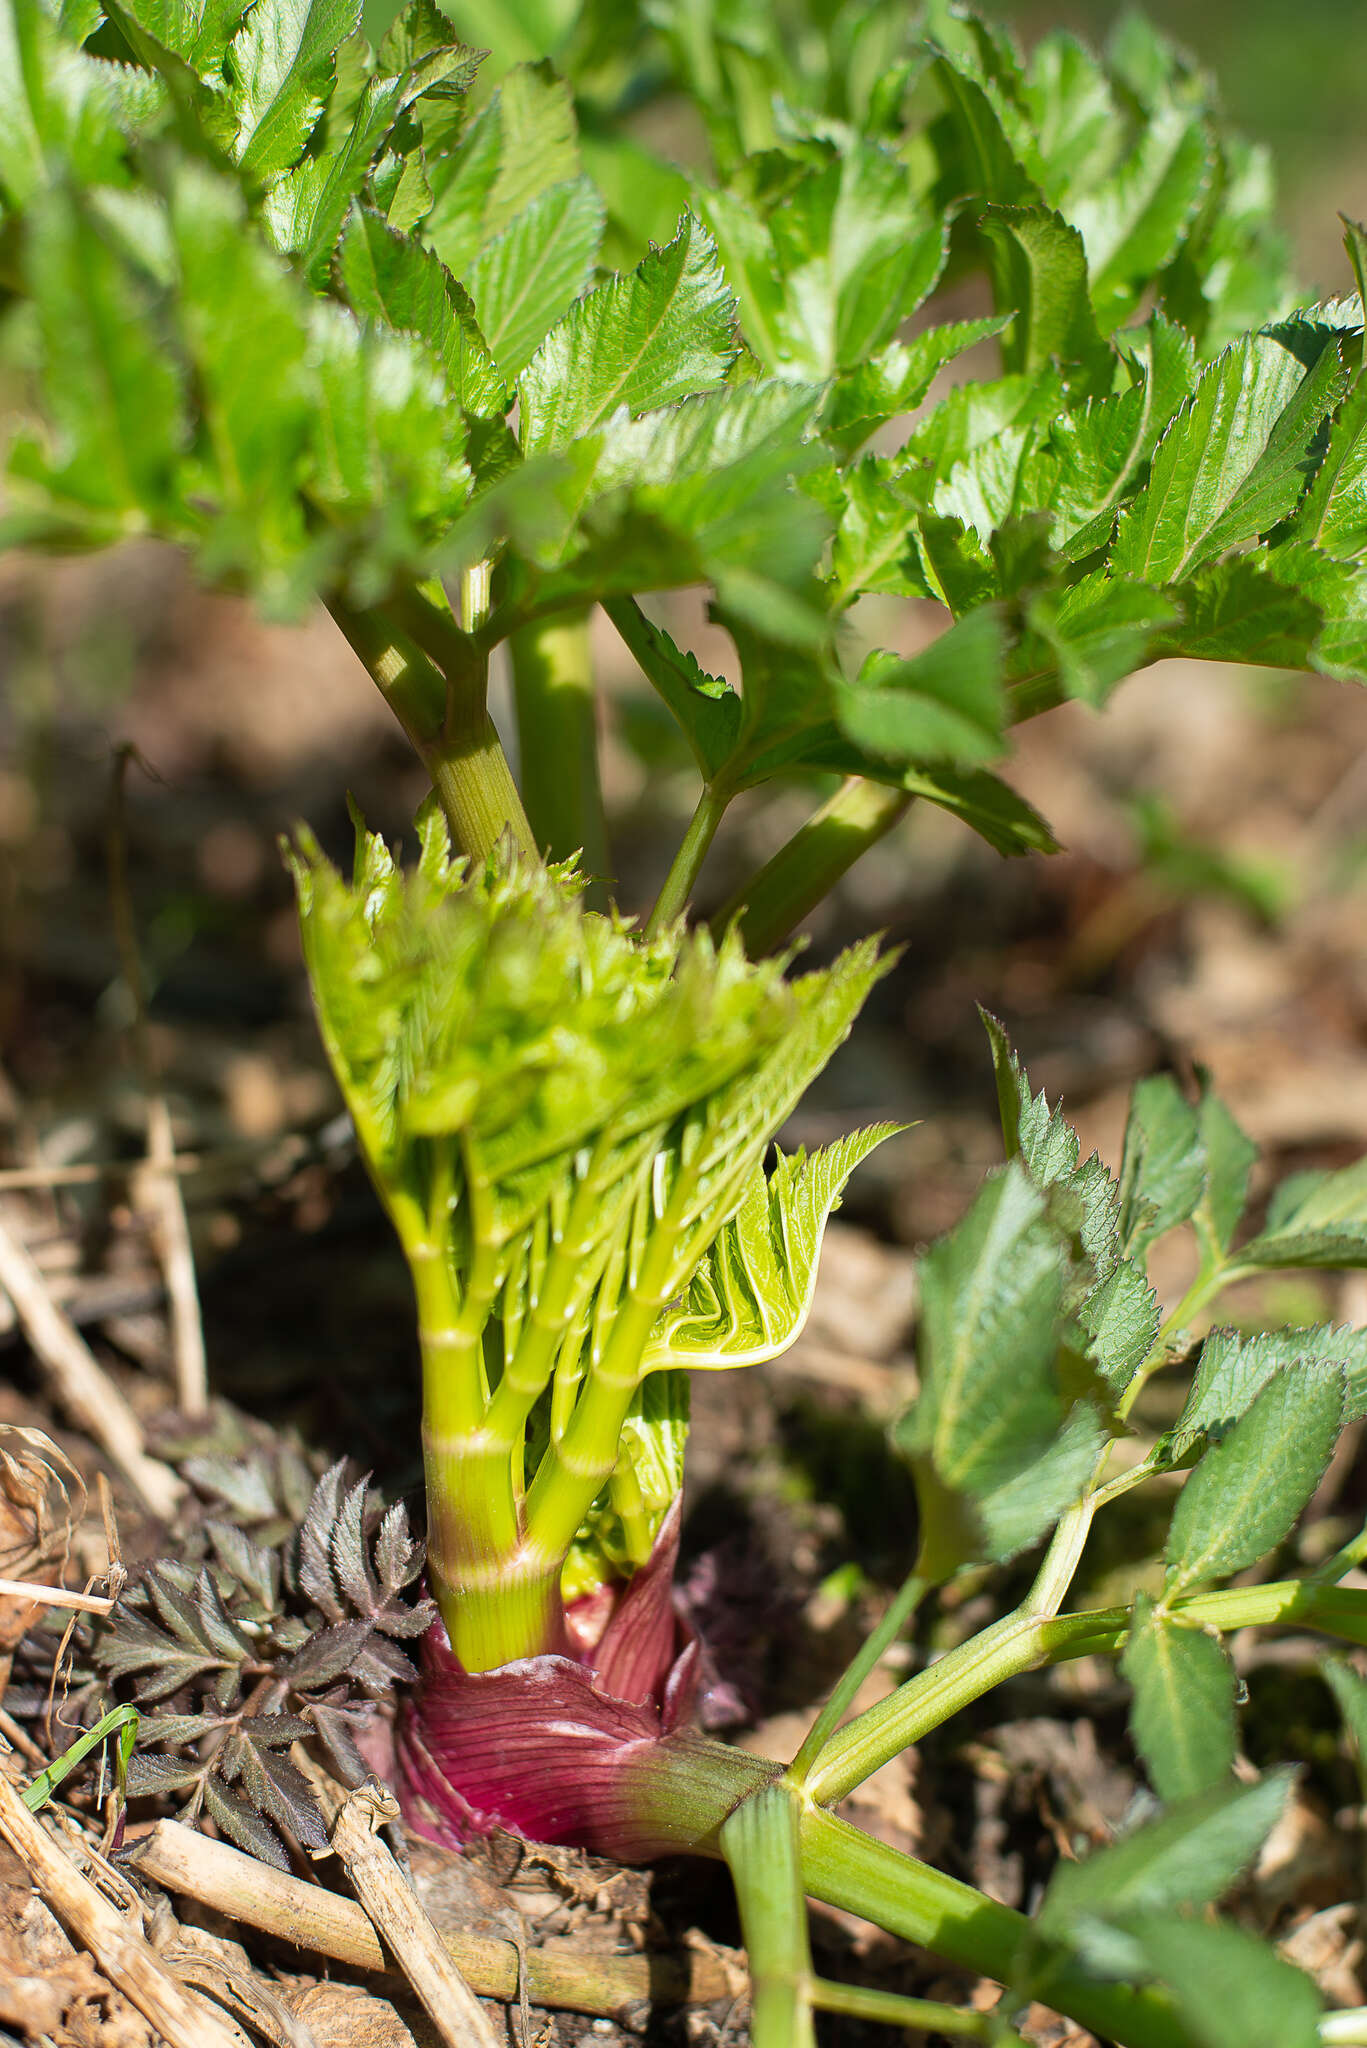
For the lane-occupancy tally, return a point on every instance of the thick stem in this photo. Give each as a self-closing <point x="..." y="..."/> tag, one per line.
<point x="446" y="718"/>
<point x="760" y="1844"/>
<point x="558" y="739"/>
<point x="672" y="900"/>
<point x="774" y="901"/>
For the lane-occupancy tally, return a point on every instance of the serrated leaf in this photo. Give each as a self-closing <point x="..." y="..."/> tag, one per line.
<point x="112" y="392"/>
<point x="242" y="1824"/>
<point x="388" y="277"/>
<point x="1230" y="1988"/>
<point x="305" y="209"/>
<point x="752" y="1293"/>
<point x="280" y="1791"/>
<point x="658" y="334"/>
<point x="1235" y="1366"/>
<point x="944" y="704"/>
<point x="197" y="30"/>
<point x="326" y="1655"/>
<point x="1182" y="1716"/>
<point x="241" y="1482"/>
<point x="244" y="323"/>
<point x="315" y="1540"/>
<point x="706" y="707"/>
<point x="1190" y="1856"/>
<point x="150" y="1775"/>
<point x="1132" y="223"/>
<point x="1314" y="1219"/>
<point x="1100" y="630"/>
<point x="525" y="279"/>
<point x="1163" y="1169"/>
<point x="990" y="1419"/>
<point x="1230" y="1157"/>
<point x="1248" y="1490"/>
<point x="1042" y="271"/>
<point x="897" y="380"/>
<point x="1240" y="611"/>
<point x="281" y="67"/>
<point x="1234" y="461"/>
<point x="1333" y="515"/>
<point x="986" y="804"/>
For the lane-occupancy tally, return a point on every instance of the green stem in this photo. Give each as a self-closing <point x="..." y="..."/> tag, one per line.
<point x="444" y="713"/>
<point x="774" y="901"/>
<point x="672" y="900"/>
<point x="861" y="2002"/>
<point x="908" y="1599"/>
<point x="557" y="729"/>
<point x="760" y="1844"/>
<point x="851" y="1870"/>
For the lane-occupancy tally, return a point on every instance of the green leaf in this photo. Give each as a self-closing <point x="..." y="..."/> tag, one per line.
<point x="112" y="392"/>
<point x="1117" y="1311"/>
<point x="896" y="381"/>
<point x="1246" y="1493"/>
<point x="244" y="321"/>
<point x="661" y="333"/>
<point x="1230" y="1156"/>
<point x="827" y="261"/>
<point x="388" y="462"/>
<point x="281" y="67"/>
<point x="1133" y="222"/>
<point x="305" y="209"/>
<point x="1182" y="1717"/>
<point x="989" y="806"/>
<point x="944" y="704"/>
<point x="525" y="279"/>
<point x="1314" y="1219"/>
<point x="994" y="1455"/>
<point x="1042" y="268"/>
<point x="1163" y="1170"/>
<point x="1099" y="630"/>
<point x="391" y="279"/>
<point x="1333" y="514"/>
<point x="1190" y="1856"/>
<point x="63" y="113"/>
<point x="750" y="1297"/>
<point x="1230" y="1988"/>
<point x="706" y="707"/>
<point x="875" y="543"/>
<point x="538" y="143"/>
<point x="1234" y="1368"/>
<point x="1241" y="611"/>
<point x="1234" y="461"/>
<point x="196" y="30"/>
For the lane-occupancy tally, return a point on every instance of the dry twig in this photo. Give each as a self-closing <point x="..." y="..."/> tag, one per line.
<point x="94" y="1402"/>
<point x="255" y="1895"/>
<point x="398" y="1913"/>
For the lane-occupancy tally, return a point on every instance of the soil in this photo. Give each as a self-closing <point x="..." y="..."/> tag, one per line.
<point x="1209" y="912"/>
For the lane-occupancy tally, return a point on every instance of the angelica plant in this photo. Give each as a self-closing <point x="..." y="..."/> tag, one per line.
<point x="351" y="326"/>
